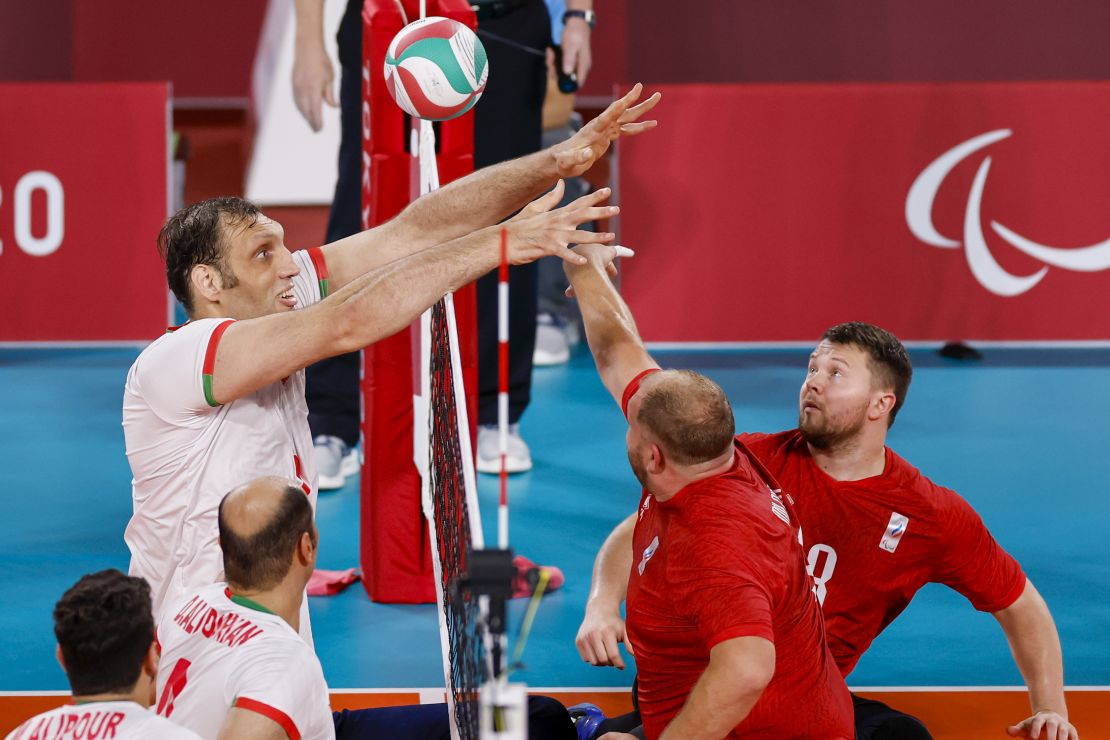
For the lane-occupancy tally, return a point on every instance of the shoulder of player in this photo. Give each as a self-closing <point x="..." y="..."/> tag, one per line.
<point x="167" y="347"/>
<point x="915" y="488"/>
<point x="166" y="729"/>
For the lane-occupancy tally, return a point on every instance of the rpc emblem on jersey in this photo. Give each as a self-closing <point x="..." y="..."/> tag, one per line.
<point x="648" y="552"/>
<point x="894" y="531"/>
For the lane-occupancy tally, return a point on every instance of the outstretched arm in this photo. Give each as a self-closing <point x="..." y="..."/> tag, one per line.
<point x="256" y="352"/>
<point x="486" y="196"/>
<point x="602" y="627"/>
<point x="610" y="329"/>
<point x="1036" y="647"/>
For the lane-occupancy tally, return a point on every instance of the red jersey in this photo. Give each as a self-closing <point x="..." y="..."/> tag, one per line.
<point x="719" y="560"/>
<point x="871" y="544"/>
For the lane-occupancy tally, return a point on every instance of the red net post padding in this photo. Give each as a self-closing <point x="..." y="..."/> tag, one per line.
<point x="394" y="550"/>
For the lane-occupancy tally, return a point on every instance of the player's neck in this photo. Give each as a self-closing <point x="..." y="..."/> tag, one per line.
<point x="852" y="459"/>
<point x="682" y="476"/>
<point x="135" y="695"/>
<point x="282" y="601"/>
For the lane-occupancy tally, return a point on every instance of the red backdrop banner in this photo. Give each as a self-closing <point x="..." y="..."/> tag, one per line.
<point x="940" y="211"/>
<point x="83" y="193"/>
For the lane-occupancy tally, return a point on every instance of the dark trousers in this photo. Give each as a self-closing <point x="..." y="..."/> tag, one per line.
<point x="874" y="721"/>
<point x="331" y="385"/>
<point x="508" y="123"/>
<point x="547" y="720"/>
<point x="877" y="721"/>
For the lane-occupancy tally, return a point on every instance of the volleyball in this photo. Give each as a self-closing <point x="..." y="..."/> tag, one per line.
<point x="436" y="69"/>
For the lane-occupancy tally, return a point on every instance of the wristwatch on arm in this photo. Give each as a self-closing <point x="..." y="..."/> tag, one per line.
<point x="587" y="15"/>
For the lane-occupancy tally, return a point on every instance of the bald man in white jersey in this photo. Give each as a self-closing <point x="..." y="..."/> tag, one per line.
<point x="106" y="647"/>
<point x="233" y="664"/>
<point x="220" y="400"/>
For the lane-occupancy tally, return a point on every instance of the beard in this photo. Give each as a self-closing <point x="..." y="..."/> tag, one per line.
<point x="638" y="468"/>
<point x="825" y="432"/>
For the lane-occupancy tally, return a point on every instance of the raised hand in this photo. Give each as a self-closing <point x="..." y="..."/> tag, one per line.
<point x="539" y="231"/>
<point x="578" y="153"/>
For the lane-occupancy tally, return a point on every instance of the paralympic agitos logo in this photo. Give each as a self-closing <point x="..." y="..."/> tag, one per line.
<point x="985" y="268"/>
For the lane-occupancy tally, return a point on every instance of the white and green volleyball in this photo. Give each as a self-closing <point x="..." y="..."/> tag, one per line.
<point x="436" y="69"/>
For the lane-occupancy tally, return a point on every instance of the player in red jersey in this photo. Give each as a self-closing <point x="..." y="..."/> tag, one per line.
<point x="875" y="530"/>
<point x="727" y="632"/>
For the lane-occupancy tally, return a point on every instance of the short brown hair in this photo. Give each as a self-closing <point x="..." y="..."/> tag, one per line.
<point x="261" y="560"/>
<point x="689" y="415"/>
<point x="195" y="236"/>
<point x="890" y="363"/>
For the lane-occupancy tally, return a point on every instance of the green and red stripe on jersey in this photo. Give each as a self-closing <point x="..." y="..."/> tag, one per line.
<point x="210" y="361"/>
<point x="316" y="254"/>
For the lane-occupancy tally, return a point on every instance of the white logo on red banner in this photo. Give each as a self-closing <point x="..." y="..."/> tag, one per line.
<point x="985" y="268"/>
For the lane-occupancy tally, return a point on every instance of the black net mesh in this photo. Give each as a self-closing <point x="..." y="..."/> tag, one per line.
<point x="452" y="525"/>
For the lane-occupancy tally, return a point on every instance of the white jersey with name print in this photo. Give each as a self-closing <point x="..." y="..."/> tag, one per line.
<point x="218" y="653"/>
<point x="187" y="452"/>
<point x="100" y="720"/>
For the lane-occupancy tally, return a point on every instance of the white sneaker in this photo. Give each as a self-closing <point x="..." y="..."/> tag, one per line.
<point x="517" y="460"/>
<point x="334" y="461"/>
<point x="552" y="343"/>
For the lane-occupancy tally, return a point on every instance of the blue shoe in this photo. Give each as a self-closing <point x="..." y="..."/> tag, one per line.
<point x="587" y="719"/>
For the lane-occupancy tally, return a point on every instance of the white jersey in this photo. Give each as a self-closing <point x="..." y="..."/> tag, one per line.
<point x="186" y="451"/>
<point x="101" y="720"/>
<point x="218" y="653"/>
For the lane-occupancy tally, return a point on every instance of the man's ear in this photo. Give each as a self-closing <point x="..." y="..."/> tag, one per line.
<point x="658" y="462"/>
<point x="60" y="657"/>
<point x="150" y="660"/>
<point x="206" y="282"/>
<point x="882" y="405"/>
<point x="306" y="548"/>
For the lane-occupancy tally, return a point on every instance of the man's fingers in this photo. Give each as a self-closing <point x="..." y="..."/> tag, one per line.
<point x="570" y="57"/>
<point x="329" y="95"/>
<point x="632" y="129"/>
<point x="551" y="198"/>
<point x="1035" y="727"/>
<point x="617" y="108"/>
<point x="613" y="650"/>
<point x="569" y="255"/>
<point x="593" y="213"/>
<point x="636" y="111"/>
<point x="590" y="237"/>
<point x="590" y="199"/>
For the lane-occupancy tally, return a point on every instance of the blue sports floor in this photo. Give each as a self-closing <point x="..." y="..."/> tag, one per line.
<point x="1023" y="435"/>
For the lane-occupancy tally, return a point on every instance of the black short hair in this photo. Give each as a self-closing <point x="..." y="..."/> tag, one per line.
<point x="261" y="560"/>
<point x="195" y="236"/>
<point x="890" y="363"/>
<point x="104" y="627"/>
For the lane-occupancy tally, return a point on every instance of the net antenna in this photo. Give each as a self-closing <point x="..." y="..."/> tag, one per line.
<point x="472" y="584"/>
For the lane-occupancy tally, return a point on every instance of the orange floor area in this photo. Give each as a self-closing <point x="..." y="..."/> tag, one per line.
<point x="950" y="715"/>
